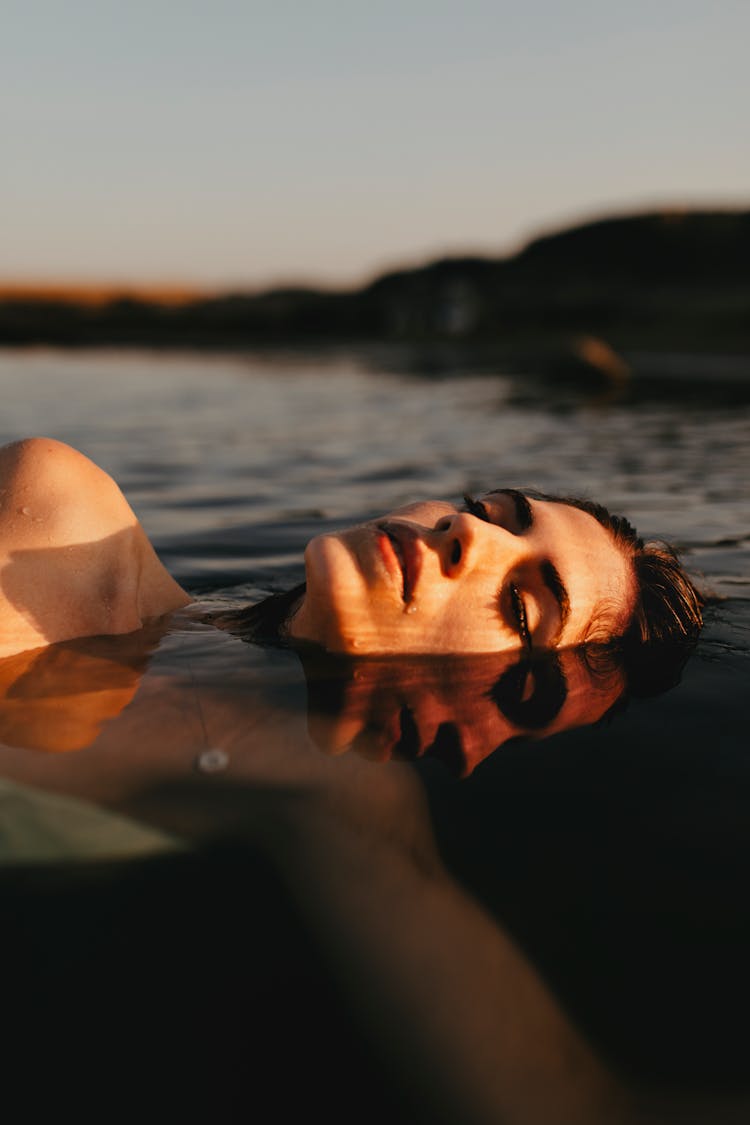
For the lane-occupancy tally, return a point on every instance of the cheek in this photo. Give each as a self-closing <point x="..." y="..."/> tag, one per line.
<point x="346" y="608"/>
<point x="466" y="619"/>
<point x="333" y="566"/>
<point x="331" y="581"/>
<point x="322" y="559"/>
<point x="458" y="625"/>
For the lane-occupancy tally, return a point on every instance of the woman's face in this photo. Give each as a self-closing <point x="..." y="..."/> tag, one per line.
<point x="434" y="578"/>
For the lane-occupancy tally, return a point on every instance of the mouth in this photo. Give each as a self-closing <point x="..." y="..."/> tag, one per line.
<point x="398" y="544"/>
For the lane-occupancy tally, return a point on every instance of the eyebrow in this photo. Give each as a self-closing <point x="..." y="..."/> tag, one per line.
<point x="549" y="572"/>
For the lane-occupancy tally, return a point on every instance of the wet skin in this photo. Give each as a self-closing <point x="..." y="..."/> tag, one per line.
<point x="435" y="578"/>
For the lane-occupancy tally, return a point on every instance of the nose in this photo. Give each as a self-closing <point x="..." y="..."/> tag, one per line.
<point x="463" y="540"/>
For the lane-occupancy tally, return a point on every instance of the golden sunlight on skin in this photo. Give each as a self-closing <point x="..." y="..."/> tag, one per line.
<point x="430" y="578"/>
<point x="74" y="561"/>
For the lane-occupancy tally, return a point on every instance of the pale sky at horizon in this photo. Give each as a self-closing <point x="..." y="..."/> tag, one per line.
<point x="245" y="144"/>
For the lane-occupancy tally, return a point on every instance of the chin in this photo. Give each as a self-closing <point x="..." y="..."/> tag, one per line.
<point x="335" y="590"/>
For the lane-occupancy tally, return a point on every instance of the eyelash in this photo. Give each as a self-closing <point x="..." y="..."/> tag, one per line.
<point x="478" y="509"/>
<point x="519" y="612"/>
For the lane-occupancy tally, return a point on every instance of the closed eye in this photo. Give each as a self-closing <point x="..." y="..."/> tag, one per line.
<point x="521" y="507"/>
<point x="522" y="512"/>
<point x="517" y="604"/>
<point x="521" y="617"/>
<point x="476" y="508"/>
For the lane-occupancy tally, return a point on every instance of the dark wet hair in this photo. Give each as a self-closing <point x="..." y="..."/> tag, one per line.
<point x="266" y="622"/>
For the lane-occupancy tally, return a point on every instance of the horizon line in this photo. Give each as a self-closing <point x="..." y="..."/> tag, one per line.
<point x="99" y="291"/>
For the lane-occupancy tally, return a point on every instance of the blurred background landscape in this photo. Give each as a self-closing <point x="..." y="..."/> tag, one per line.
<point x="559" y="189"/>
<point x="617" y="297"/>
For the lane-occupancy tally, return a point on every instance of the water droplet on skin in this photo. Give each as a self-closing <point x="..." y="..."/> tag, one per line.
<point x="25" y="511"/>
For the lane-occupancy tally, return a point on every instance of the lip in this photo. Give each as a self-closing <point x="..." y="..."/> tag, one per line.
<point x="399" y="546"/>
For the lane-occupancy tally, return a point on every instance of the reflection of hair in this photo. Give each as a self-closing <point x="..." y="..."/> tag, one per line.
<point x="645" y="669"/>
<point x="668" y="609"/>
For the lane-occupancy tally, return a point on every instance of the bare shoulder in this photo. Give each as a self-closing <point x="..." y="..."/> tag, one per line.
<point x="75" y="560"/>
<point x="53" y="483"/>
<point x="42" y="454"/>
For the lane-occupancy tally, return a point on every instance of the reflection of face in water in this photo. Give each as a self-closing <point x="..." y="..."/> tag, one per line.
<point x="456" y="709"/>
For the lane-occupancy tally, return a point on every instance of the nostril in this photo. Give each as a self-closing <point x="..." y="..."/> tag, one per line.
<point x="443" y="525"/>
<point x="455" y="553"/>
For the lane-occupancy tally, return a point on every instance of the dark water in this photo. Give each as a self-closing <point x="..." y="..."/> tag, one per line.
<point x="615" y="857"/>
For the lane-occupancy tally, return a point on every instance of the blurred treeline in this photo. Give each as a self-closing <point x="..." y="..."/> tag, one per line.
<point x="663" y="282"/>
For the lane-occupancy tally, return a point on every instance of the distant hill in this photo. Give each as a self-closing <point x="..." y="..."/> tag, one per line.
<point x="667" y="281"/>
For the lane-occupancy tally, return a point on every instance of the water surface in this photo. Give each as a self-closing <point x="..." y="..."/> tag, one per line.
<point x="614" y="857"/>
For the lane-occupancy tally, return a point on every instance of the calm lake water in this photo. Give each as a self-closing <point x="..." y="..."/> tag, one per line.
<point x="614" y="857"/>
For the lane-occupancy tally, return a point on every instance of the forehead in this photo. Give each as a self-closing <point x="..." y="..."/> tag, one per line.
<point x="597" y="573"/>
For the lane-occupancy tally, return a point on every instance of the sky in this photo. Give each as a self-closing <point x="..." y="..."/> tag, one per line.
<point x="244" y="144"/>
